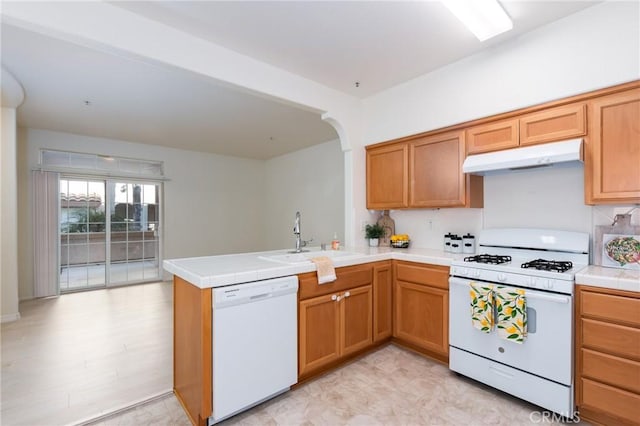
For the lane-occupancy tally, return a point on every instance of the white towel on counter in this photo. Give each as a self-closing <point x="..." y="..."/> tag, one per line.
<point x="326" y="271"/>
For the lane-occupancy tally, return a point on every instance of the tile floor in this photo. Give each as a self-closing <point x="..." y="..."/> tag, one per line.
<point x="85" y="354"/>
<point x="391" y="386"/>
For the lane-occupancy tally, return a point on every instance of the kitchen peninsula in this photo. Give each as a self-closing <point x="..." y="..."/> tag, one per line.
<point x="364" y="276"/>
<point x="381" y="295"/>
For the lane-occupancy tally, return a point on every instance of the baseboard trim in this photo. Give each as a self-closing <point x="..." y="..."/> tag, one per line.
<point x="120" y="410"/>
<point x="10" y="317"/>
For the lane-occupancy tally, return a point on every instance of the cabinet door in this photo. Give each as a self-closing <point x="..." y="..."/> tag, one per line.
<point x="388" y="177"/>
<point x="382" y="301"/>
<point x="493" y="136"/>
<point x="435" y="171"/>
<point x="318" y="333"/>
<point x="554" y="124"/>
<point x="422" y="316"/>
<point x="612" y="174"/>
<point x="356" y="316"/>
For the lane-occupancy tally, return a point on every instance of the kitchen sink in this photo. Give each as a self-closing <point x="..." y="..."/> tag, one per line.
<point x="304" y="257"/>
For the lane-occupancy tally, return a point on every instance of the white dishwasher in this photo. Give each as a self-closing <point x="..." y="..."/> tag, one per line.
<point x="255" y="344"/>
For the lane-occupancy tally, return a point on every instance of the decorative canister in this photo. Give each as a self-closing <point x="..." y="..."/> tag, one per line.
<point x="456" y="244"/>
<point x="389" y="226"/>
<point x="468" y="243"/>
<point x="447" y="242"/>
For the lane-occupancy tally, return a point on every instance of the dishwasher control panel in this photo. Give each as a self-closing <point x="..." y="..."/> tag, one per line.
<point x="253" y="291"/>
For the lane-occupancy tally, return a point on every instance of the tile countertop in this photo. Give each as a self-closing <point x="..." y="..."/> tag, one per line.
<point x="218" y="271"/>
<point x="617" y="279"/>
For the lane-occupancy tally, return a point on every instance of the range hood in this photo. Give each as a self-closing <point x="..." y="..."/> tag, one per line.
<point x="542" y="155"/>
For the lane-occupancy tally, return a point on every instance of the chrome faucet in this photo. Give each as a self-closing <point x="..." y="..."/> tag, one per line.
<point x="296" y="231"/>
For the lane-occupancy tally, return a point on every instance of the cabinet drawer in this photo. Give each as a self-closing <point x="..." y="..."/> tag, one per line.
<point x="431" y="275"/>
<point x="348" y="277"/>
<point x="617" y="403"/>
<point x="611" y="338"/>
<point x="610" y="307"/>
<point x="612" y="370"/>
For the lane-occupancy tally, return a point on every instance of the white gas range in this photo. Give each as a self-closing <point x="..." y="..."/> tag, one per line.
<point x="541" y="264"/>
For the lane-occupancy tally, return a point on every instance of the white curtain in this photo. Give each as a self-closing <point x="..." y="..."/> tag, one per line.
<point x="45" y="221"/>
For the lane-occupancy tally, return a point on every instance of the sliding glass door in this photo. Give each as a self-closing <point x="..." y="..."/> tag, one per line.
<point x="109" y="233"/>
<point x="135" y="221"/>
<point x="82" y="234"/>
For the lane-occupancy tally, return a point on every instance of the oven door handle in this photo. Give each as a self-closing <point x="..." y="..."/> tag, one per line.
<point x="538" y="296"/>
<point x="549" y="298"/>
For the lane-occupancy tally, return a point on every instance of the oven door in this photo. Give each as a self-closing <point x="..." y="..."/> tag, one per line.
<point x="547" y="349"/>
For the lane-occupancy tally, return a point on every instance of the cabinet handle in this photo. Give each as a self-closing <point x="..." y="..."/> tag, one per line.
<point x="347" y="294"/>
<point x="334" y="297"/>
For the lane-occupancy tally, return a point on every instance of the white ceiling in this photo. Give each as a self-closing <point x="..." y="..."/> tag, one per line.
<point x="378" y="44"/>
<point x="139" y="102"/>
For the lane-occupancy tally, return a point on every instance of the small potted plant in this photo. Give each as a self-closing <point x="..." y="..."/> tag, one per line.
<point x="373" y="233"/>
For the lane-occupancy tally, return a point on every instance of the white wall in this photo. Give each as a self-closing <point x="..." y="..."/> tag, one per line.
<point x="8" y="216"/>
<point x="211" y="202"/>
<point x="595" y="48"/>
<point x="310" y="181"/>
<point x="543" y="198"/>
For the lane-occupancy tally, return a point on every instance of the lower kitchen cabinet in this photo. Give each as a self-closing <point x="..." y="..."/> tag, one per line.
<point x="356" y="320"/>
<point x="382" y="301"/>
<point x="318" y="333"/>
<point x="608" y="355"/>
<point x="333" y="326"/>
<point x="421" y="311"/>
<point x="335" y="319"/>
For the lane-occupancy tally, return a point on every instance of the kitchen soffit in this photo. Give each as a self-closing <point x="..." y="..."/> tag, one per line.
<point x="139" y="102"/>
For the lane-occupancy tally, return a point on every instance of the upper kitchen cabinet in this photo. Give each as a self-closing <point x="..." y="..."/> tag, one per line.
<point x="421" y="172"/>
<point x="388" y="177"/>
<point x="547" y="125"/>
<point x="492" y="136"/>
<point x="553" y="124"/>
<point x="612" y="163"/>
<point x="435" y="173"/>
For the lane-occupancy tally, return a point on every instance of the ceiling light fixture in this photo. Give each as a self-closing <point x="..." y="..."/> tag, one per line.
<point x="484" y="18"/>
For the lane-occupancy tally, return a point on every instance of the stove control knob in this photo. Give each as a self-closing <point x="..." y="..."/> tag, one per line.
<point x="475" y="274"/>
<point x="502" y="278"/>
<point x="531" y="281"/>
<point x="550" y="284"/>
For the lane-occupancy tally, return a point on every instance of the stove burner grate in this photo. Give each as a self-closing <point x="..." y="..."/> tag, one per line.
<point x="488" y="258"/>
<point x="548" y="265"/>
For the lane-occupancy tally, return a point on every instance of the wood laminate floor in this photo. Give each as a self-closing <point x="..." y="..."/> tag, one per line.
<point x="391" y="386"/>
<point x="81" y="355"/>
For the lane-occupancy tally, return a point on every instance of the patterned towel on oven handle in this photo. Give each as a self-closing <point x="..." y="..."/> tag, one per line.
<point x="481" y="306"/>
<point x="511" y="311"/>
